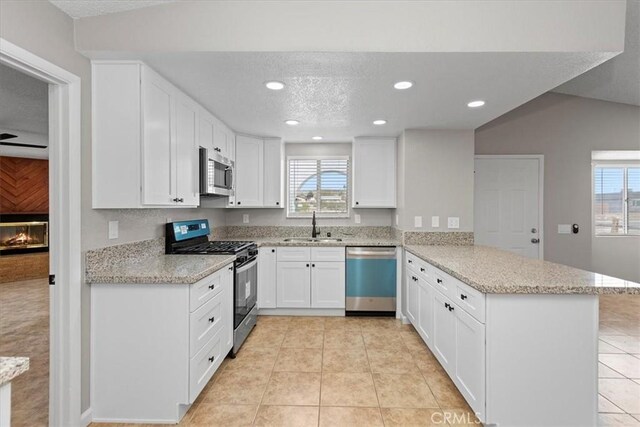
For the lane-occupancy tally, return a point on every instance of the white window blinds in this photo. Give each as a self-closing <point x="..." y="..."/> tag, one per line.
<point x="319" y="185"/>
<point x="616" y="199"/>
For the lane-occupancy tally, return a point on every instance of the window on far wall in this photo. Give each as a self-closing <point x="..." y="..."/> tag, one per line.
<point x="616" y="197"/>
<point x="318" y="184"/>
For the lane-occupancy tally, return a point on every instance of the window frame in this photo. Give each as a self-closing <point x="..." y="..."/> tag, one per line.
<point x="622" y="164"/>
<point x="291" y="215"/>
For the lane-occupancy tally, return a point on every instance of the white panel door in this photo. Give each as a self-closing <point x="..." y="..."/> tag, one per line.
<point x="205" y="129"/>
<point x="327" y="285"/>
<point x="187" y="167"/>
<point x="425" y="310"/>
<point x="267" y="277"/>
<point x="470" y="359"/>
<point x="219" y="139"/>
<point x="374" y="173"/>
<point x="158" y="184"/>
<point x="294" y="285"/>
<point x="249" y="172"/>
<point x="229" y="320"/>
<point x="444" y="332"/>
<point x="273" y="168"/>
<point x="507" y="210"/>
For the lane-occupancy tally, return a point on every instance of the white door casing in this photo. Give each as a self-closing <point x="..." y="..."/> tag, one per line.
<point x="508" y="203"/>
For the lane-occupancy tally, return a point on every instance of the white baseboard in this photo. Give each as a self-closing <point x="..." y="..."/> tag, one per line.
<point x="301" y="312"/>
<point x="86" y="418"/>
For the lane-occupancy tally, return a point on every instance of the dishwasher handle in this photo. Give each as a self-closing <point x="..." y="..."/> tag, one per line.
<point x="378" y="252"/>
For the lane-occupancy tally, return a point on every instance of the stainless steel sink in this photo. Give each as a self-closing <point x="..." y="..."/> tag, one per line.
<point x="313" y="240"/>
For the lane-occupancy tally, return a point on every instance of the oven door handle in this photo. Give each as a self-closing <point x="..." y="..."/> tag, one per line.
<point x="246" y="267"/>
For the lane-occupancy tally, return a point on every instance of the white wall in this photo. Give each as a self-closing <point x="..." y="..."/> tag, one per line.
<point x="435" y="178"/>
<point x="369" y="217"/>
<point x="565" y="129"/>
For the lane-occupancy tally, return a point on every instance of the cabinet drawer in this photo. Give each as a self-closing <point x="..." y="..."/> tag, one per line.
<point x="204" y="290"/>
<point x="294" y="254"/>
<point x="412" y="260"/>
<point x="327" y="254"/>
<point x="470" y="300"/>
<point x="204" y="364"/>
<point x="205" y="322"/>
<point x="442" y="282"/>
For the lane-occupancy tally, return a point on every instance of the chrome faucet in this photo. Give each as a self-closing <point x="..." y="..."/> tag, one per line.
<point x="314" y="231"/>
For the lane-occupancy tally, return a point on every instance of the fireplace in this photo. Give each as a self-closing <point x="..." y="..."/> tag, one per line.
<point x="24" y="233"/>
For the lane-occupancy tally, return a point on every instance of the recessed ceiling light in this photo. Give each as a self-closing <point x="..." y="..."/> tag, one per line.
<point x="316" y="138"/>
<point x="379" y="122"/>
<point x="274" y="85"/>
<point x="475" y="104"/>
<point x="292" y="122"/>
<point x="403" y="85"/>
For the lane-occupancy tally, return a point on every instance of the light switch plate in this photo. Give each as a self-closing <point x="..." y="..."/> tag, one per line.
<point x="417" y="222"/>
<point x="564" y="228"/>
<point x="435" y="221"/>
<point x="113" y="229"/>
<point x="245" y="218"/>
<point x="357" y="218"/>
<point x="453" y="222"/>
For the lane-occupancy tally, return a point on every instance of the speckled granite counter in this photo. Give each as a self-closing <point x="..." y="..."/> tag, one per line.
<point x="11" y="367"/>
<point x="491" y="270"/>
<point x="160" y="269"/>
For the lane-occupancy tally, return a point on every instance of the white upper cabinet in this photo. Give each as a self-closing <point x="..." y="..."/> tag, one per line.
<point x="249" y="172"/>
<point x="374" y="173"/>
<point x="273" y="173"/>
<point x="146" y="134"/>
<point x="259" y="172"/>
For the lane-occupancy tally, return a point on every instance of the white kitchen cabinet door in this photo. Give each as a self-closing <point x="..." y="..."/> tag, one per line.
<point x="273" y="173"/>
<point x="249" y="172"/>
<point x="205" y="129"/>
<point x="219" y="139"/>
<point x="374" y="173"/>
<point x="327" y="285"/>
<point x="158" y="185"/>
<point x="230" y="138"/>
<point x="267" y="277"/>
<point x="228" y="314"/>
<point x="187" y="166"/>
<point x="412" y="298"/>
<point x="444" y="332"/>
<point x="294" y="285"/>
<point x="425" y="311"/>
<point x="470" y="359"/>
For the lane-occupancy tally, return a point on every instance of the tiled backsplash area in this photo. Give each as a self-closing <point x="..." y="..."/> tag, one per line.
<point x="439" y="238"/>
<point x="244" y="232"/>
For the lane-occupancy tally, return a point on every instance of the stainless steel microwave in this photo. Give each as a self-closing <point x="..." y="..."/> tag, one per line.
<point x="216" y="174"/>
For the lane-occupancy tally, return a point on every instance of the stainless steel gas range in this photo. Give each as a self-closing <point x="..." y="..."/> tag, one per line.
<point x="192" y="238"/>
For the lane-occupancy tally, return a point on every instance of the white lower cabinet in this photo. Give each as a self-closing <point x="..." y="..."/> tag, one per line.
<point x="300" y="281"/>
<point x="453" y="331"/>
<point x="156" y="346"/>
<point x="294" y="284"/>
<point x="327" y="285"/>
<point x="267" y="277"/>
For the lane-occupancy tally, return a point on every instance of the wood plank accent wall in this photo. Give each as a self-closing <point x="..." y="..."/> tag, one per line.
<point x="24" y="185"/>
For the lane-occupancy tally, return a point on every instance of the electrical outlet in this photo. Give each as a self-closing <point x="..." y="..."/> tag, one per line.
<point x="357" y="218"/>
<point x="564" y="228"/>
<point x="113" y="229"/>
<point x="435" y="221"/>
<point x="245" y="218"/>
<point x="453" y="222"/>
<point x="417" y="222"/>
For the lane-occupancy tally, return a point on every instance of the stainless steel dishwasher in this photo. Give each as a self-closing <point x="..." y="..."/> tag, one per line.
<point x="371" y="280"/>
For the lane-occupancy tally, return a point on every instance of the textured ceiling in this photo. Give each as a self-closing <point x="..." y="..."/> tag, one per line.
<point x="338" y="95"/>
<point x="84" y="8"/>
<point x="23" y="102"/>
<point x="617" y="80"/>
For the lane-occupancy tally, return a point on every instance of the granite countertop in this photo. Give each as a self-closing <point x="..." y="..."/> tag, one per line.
<point x="160" y="269"/>
<point x="11" y="367"/>
<point x="491" y="270"/>
<point x="346" y="241"/>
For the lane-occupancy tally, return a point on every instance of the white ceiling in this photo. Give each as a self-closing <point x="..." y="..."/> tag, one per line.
<point x="617" y="80"/>
<point x="84" y="8"/>
<point x="338" y="95"/>
<point x="23" y="102"/>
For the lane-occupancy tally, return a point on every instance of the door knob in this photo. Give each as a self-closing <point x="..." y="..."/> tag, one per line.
<point x="534" y="230"/>
<point x="535" y="240"/>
